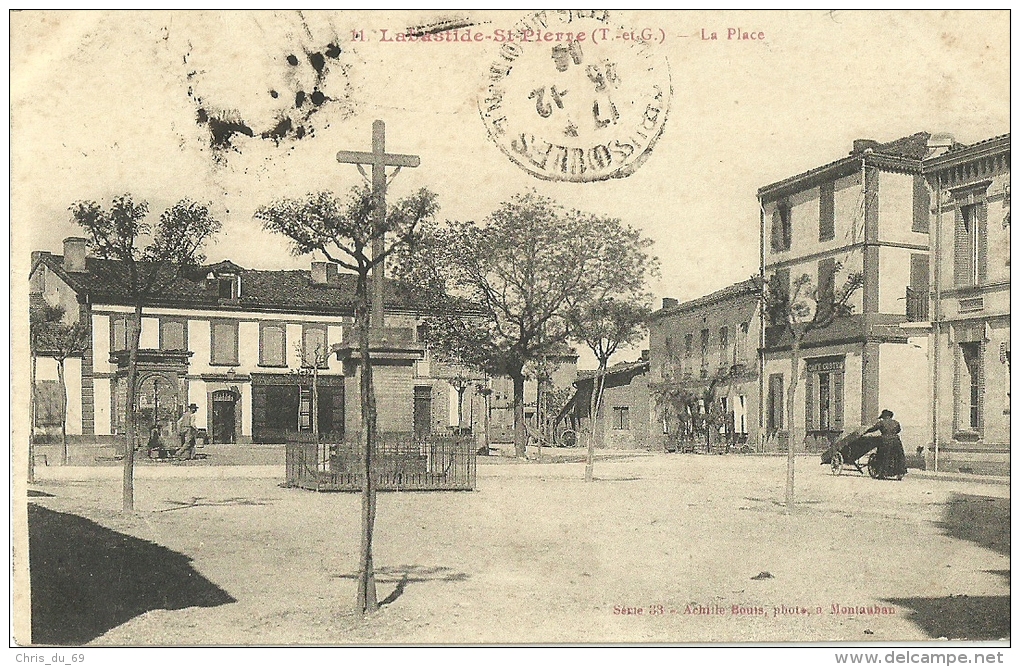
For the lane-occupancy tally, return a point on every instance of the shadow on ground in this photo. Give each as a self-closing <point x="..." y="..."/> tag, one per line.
<point x="403" y="575"/>
<point x="87" y="579"/>
<point x="973" y="617"/>
<point x="984" y="521"/>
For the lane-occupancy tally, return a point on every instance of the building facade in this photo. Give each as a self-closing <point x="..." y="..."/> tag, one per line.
<point x="244" y="346"/>
<point x="625" y="415"/>
<point x="866" y="213"/>
<point x="708" y="346"/>
<point x="970" y="310"/>
<point x="561" y="371"/>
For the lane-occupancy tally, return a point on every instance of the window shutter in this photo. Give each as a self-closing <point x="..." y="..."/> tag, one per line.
<point x="919" y="273"/>
<point x="258" y="408"/>
<point x="922" y="206"/>
<point x="826" y="211"/>
<point x="981" y="213"/>
<point x="809" y="401"/>
<point x="777" y="231"/>
<point x="962" y="271"/>
<point x="787" y="216"/>
<point x="837" y="400"/>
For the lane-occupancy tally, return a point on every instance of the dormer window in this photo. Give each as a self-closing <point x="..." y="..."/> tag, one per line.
<point x="226" y="288"/>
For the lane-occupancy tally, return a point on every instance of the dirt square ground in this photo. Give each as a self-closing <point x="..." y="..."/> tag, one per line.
<point x="660" y="548"/>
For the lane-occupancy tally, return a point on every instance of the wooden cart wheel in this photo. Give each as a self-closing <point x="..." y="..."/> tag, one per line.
<point x="873" y="469"/>
<point x="837" y="463"/>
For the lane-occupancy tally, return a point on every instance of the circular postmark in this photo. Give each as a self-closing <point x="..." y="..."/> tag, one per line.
<point x="572" y="97"/>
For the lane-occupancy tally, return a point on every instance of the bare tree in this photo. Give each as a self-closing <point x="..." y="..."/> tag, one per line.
<point x="58" y="340"/>
<point x="344" y="231"/>
<point x="801" y="309"/>
<point x="605" y="325"/>
<point x="152" y="260"/>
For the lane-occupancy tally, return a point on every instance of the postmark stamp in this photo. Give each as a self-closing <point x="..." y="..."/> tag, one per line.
<point x="570" y="96"/>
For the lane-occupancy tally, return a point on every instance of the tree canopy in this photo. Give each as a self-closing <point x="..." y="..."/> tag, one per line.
<point x="526" y="268"/>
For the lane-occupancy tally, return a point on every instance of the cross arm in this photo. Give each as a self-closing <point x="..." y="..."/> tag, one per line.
<point x="385" y="159"/>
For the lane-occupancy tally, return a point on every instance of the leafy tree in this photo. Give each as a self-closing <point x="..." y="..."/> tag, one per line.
<point x="799" y="310"/>
<point x="524" y="268"/>
<point x="153" y="259"/>
<point x="344" y="231"/>
<point x="53" y="338"/>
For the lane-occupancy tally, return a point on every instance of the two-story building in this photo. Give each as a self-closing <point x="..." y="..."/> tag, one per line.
<point x="970" y="309"/>
<point x="709" y="343"/>
<point x="867" y="212"/>
<point x="243" y="345"/>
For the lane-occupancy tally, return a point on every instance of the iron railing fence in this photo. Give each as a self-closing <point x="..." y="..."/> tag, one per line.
<point x="401" y="463"/>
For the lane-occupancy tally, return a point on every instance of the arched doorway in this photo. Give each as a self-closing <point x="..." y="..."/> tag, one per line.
<point x="224" y="416"/>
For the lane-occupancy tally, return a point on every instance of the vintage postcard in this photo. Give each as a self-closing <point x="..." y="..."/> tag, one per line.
<point x="336" y="328"/>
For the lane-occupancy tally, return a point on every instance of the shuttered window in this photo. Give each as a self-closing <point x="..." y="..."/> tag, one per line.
<point x="782" y="227"/>
<point x="837" y="401"/>
<point x="922" y="206"/>
<point x="970" y="245"/>
<point x="272" y="344"/>
<point x="826" y="286"/>
<point x="314" y="346"/>
<point x="173" y="334"/>
<point x="223" y="348"/>
<point x="827" y="211"/>
<point x="823" y="399"/>
<point x="119" y="326"/>
<point x="809" y="402"/>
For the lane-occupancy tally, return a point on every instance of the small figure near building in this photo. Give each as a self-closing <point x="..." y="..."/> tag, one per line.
<point x="186" y="431"/>
<point x="892" y="460"/>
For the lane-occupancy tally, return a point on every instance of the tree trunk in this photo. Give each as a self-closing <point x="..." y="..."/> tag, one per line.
<point x="485" y="420"/>
<point x="589" y="466"/>
<point x="32" y="399"/>
<point x="791" y="397"/>
<point x="520" y="428"/>
<point x="62" y="383"/>
<point x="129" y="410"/>
<point x="367" y="602"/>
<point x="709" y="427"/>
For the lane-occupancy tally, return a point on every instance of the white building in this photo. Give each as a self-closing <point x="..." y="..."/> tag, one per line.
<point x="239" y="344"/>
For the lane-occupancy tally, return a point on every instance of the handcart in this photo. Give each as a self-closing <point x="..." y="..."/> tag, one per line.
<point x="854" y="450"/>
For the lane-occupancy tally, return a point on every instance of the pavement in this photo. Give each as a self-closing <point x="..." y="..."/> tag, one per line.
<point x="659" y="548"/>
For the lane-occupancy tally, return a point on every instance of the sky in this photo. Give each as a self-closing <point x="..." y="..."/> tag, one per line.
<point x="104" y="103"/>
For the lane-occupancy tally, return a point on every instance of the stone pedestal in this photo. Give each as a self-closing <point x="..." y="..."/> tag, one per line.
<point x="393" y="353"/>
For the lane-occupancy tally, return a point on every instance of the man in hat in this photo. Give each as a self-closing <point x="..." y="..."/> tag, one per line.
<point x="186" y="431"/>
<point x="892" y="460"/>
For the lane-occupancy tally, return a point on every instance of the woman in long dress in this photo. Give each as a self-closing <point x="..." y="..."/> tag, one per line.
<point x="892" y="460"/>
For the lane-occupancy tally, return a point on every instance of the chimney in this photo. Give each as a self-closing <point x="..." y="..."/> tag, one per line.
<point x="646" y="355"/>
<point x="668" y="302"/>
<point x="74" y="254"/>
<point x="939" y="143"/>
<point x="325" y="273"/>
<point x="861" y="145"/>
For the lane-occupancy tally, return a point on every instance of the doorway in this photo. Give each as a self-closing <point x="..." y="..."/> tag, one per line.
<point x="422" y="411"/>
<point x="224" y="416"/>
